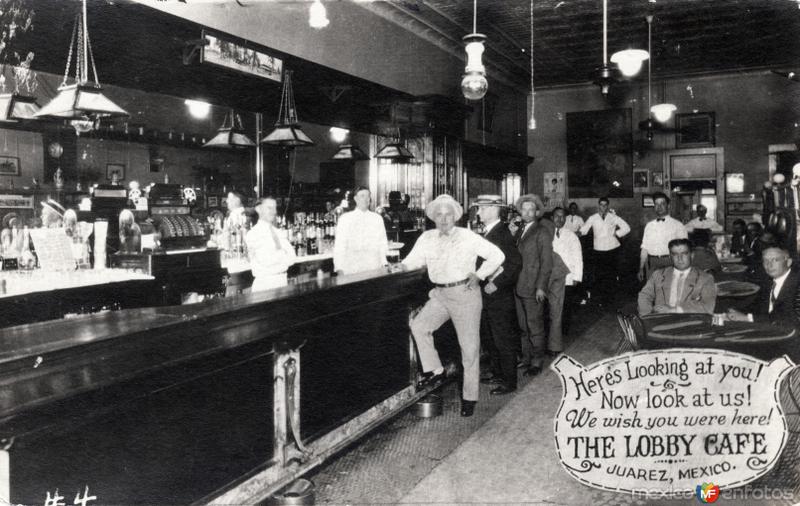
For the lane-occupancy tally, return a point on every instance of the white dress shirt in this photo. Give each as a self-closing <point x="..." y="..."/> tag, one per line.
<point x="703" y="224"/>
<point x="568" y="247"/>
<point x="452" y="257"/>
<point x="676" y="287"/>
<point x="270" y="256"/>
<point x="361" y="243"/>
<point x="573" y="223"/>
<point x="605" y="230"/>
<point x="658" y="234"/>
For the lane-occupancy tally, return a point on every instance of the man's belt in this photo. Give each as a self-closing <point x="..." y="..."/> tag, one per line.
<point x="657" y="256"/>
<point x="450" y="285"/>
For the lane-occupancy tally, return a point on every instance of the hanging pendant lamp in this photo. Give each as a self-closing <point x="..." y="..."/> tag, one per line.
<point x="395" y="150"/>
<point x="349" y="152"/>
<point x="230" y="134"/>
<point x="605" y="75"/>
<point x="474" y="84"/>
<point x="661" y="112"/>
<point x="15" y="107"/>
<point x="287" y="131"/>
<point x="82" y="102"/>
<point x="532" y="118"/>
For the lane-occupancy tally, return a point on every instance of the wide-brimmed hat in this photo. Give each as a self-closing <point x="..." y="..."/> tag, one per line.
<point x="444" y="200"/>
<point x="530" y="197"/>
<point x="7" y="219"/>
<point x="489" y="200"/>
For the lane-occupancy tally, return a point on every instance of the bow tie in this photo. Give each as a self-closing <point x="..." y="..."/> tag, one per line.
<point x="701" y="219"/>
<point x="659" y="219"/>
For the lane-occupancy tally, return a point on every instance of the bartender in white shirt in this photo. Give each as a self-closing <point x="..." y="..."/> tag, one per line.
<point x="573" y="220"/>
<point x="269" y="251"/>
<point x="450" y="254"/>
<point x="657" y="235"/>
<point x="607" y="228"/>
<point x="702" y="222"/>
<point x="361" y="243"/>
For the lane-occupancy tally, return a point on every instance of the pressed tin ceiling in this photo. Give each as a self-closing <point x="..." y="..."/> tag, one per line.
<point x="689" y="36"/>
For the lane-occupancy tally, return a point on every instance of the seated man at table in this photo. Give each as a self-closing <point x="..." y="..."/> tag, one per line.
<point x="680" y="288"/>
<point x="780" y="304"/>
<point x="703" y="257"/>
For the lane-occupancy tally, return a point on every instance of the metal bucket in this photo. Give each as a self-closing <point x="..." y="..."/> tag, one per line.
<point x="299" y="493"/>
<point x="429" y="406"/>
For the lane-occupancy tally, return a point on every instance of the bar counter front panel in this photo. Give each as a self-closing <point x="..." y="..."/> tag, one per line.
<point x="175" y="404"/>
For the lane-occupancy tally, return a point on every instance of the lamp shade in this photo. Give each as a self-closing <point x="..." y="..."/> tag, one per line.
<point x="229" y="138"/>
<point x="630" y="61"/>
<point x="14" y="107"/>
<point x="78" y="101"/>
<point x="349" y="152"/>
<point x="287" y="135"/>
<point x="663" y="112"/>
<point x="396" y="152"/>
<point x="231" y="134"/>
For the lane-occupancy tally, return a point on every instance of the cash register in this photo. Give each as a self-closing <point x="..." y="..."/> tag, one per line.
<point x="179" y="260"/>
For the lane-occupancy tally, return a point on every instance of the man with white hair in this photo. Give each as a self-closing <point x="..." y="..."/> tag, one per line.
<point x="450" y="254"/>
<point x="269" y="251"/>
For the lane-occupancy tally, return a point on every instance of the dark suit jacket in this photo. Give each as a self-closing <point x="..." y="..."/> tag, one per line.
<point x="786" y="310"/>
<point x="501" y="237"/>
<point x="536" y="248"/>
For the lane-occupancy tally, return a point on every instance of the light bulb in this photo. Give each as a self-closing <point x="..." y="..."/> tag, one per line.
<point x="663" y="112"/>
<point x="630" y="61"/>
<point x="474" y="86"/>
<point x="532" y="123"/>
<point x="197" y="108"/>
<point x="338" y="134"/>
<point x="317" y="15"/>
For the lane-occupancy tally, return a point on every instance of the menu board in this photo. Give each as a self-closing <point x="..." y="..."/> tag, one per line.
<point x="53" y="248"/>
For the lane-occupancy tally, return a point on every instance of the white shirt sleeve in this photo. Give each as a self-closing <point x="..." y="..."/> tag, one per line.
<point x="340" y="243"/>
<point x="588" y="224"/>
<point x="624" y="228"/>
<point x="416" y="258"/>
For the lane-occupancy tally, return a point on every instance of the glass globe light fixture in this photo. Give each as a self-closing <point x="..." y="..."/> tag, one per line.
<point x="474" y="84"/>
<point x="630" y="61"/>
<point x="318" y="16"/>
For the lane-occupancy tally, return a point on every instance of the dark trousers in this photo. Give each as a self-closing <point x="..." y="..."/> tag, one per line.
<point x="606" y="269"/>
<point x="500" y="314"/>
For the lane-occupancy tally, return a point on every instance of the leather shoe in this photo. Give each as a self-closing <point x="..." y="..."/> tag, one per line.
<point x="532" y="371"/>
<point x="493" y="380"/>
<point x="502" y="390"/>
<point x="467" y="407"/>
<point x="431" y="380"/>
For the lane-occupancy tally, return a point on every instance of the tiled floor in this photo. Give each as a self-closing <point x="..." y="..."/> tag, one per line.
<point x="505" y="454"/>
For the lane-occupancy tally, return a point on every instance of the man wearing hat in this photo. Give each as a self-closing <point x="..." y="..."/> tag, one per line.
<point x="52" y="213"/>
<point x="450" y="254"/>
<point x="535" y="243"/>
<point x="498" y="294"/>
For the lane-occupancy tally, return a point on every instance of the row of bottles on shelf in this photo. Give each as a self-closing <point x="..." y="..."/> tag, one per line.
<point x="309" y="234"/>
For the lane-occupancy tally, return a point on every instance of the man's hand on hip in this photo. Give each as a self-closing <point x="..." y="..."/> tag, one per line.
<point x="474" y="281"/>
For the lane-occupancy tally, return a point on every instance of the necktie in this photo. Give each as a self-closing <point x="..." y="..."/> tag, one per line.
<point x="772" y="297"/>
<point x="675" y="289"/>
<point x="558" y="232"/>
<point x="659" y="219"/>
<point x="275" y="237"/>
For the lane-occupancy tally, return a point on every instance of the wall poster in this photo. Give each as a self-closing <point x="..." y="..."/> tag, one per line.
<point x="553" y="194"/>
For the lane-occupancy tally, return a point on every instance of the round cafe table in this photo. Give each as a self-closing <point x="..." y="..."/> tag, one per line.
<point x="693" y="330"/>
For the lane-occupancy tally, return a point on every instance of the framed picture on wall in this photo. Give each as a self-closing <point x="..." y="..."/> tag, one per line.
<point x="658" y="180"/>
<point x="695" y="130"/>
<point x="117" y="169"/>
<point x="641" y="179"/>
<point x="647" y="200"/>
<point x="9" y="166"/>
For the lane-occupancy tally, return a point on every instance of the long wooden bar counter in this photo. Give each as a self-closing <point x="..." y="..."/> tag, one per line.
<point x="224" y="400"/>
